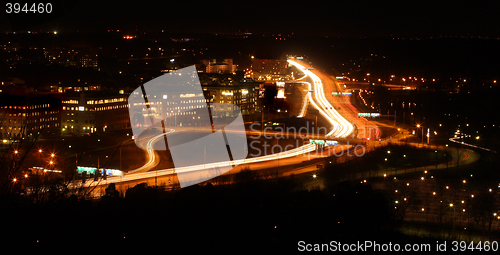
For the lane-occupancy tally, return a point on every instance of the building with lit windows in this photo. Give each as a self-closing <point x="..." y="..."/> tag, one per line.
<point x="245" y="96"/>
<point x="89" y="112"/>
<point x="71" y="57"/>
<point x="219" y="66"/>
<point x="24" y="117"/>
<point x="269" y="69"/>
<point x="183" y="109"/>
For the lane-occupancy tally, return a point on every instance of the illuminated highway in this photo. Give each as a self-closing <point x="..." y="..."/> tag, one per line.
<point x="470" y="145"/>
<point x="305" y="103"/>
<point x="340" y="126"/>
<point x="153" y="158"/>
<point x="342" y="104"/>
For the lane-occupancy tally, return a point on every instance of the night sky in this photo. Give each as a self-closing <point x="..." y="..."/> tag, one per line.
<point x="334" y="18"/>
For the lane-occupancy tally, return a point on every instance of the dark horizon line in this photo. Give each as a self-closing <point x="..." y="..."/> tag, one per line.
<point x="278" y="34"/>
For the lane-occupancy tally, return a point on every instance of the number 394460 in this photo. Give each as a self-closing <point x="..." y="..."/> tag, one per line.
<point x="28" y="8"/>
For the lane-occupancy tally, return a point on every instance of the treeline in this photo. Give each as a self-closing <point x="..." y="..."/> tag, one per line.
<point x="253" y="214"/>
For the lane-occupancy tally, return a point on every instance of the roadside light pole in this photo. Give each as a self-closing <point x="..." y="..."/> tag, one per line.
<point x="451" y="205"/>
<point x="386" y="165"/>
<point x="447" y="152"/>
<point x="404" y="156"/>
<point x="421" y="127"/>
<point x="40" y="156"/>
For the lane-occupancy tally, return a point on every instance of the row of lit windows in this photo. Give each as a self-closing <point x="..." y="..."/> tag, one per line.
<point x="70" y="108"/>
<point x="112" y="107"/>
<point x="180" y="113"/>
<point x="186" y="107"/>
<point x="186" y="102"/>
<point x="148" y="103"/>
<point x="81" y="108"/>
<point x="32" y="114"/>
<point x="72" y="101"/>
<point x="107" y="101"/>
<point x="17" y="114"/>
<point x="33" y="128"/>
<point x="221" y="108"/>
<point x="24" y="107"/>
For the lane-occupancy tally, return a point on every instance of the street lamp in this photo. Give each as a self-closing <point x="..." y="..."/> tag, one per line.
<point x="451" y="205"/>
<point x="418" y="126"/>
<point x="386" y="165"/>
<point x="404" y="156"/>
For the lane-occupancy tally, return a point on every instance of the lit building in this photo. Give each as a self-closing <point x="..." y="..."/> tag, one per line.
<point x="89" y="112"/>
<point x="221" y="66"/>
<point x="24" y="117"/>
<point x="73" y="57"/>
<point x="245" y="96"/>
<point x="184" y="109"/>
<point x="269" y="69"/>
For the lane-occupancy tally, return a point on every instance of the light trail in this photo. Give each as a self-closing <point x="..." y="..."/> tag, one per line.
<point x="151" y="153"/>
<point x="304" y="106"/>
<point x="202" y="167"/>
<point x="302" y="77"/>
<point x="341" y="127"/>
<point x="471" y="145"/>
